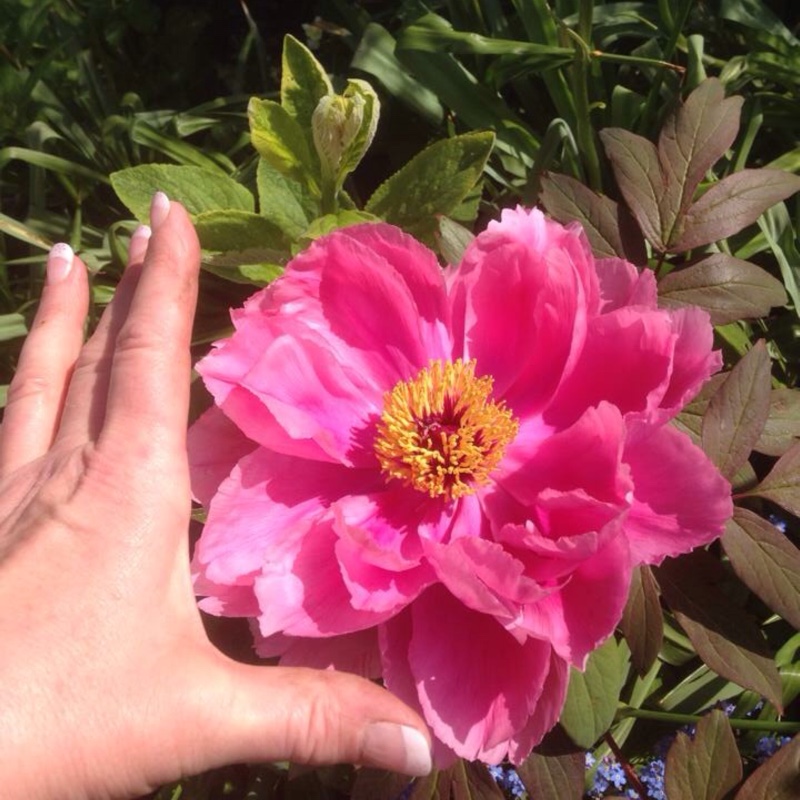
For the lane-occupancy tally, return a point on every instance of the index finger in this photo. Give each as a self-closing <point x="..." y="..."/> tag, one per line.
<point x="148" y="391"/>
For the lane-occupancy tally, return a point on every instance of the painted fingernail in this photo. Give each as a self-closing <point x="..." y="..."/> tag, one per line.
<point x="159" y="210"/>
<point x="137" y="249"/>
<point x="398" y="747"/>
<point x="59" y="262"/>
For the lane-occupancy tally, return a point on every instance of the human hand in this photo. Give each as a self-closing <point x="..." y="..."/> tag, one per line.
<point x="108" y="684"/>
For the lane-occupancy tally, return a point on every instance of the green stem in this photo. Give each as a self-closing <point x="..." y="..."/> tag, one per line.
<point x="767" y="726"/>
<point x="580" y="91"/>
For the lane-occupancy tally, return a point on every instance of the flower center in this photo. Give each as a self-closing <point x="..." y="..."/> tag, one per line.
<point x="440" y="432"/>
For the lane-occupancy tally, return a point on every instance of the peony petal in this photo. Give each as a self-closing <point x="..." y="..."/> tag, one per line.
<point x="621" y="284"/>
<point x="526" y="336"/>
<point x="680" y="499"/>
<point x="301" y="591"/>
<point x="354" y="652"/>
<point x="266" y="496"/>
<point x="214" y="445"/>
<point x="583" y="614"/>
<point x="477" y="685"/>
<point x="626" y="361"/>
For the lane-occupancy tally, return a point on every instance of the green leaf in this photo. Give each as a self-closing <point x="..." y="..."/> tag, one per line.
<point x="690" y="418"/>
<point x="303" y="82"/>
<point x="331" y="222"/>
<point x="12" y="326"/>
<point x="25" y="233"/>
<point x="607" y="224"/>
<point x="280" y="139"/>
<point x="778" y="778"/>
<point x="694" y="137"/>
<point x="642" y="622"/>
<point x="238" y="230"/>
<point x="472" y="781"/>
<point x="782" y="484"/>
<point x="723" y="635"/>
<point x="783" y="423"/>
<point x="200" y="190"/>
<point x="732" y="204"/>
<point x="728" y="288"/>
<point x="283" y="201"/>
<point x="375" y="56"/>
<point x="706" y="767"/>
<point x="738" y="412"/>
<point x="434" y="182"/>
<point x="636" y="167"/>
<point x="452" y="239"/>
<point x="766" y="561"/>
<point x="50" y="162"/>
<point x="555" y="770"/>
<point x="593" y="694"/>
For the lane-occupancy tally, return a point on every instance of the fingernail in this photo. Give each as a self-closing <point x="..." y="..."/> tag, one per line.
<point x="59" y="262"/>
<point x="397" y="747"/>
<point x="159" y="210"/>
<point x="137" y="249"/>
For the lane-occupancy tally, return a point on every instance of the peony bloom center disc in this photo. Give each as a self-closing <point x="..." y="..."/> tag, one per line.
<point x="440" y="432"/>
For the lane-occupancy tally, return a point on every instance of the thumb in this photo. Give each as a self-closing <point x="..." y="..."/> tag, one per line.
<point x="265" y="714"/>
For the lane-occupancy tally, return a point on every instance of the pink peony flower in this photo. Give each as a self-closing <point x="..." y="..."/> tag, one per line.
<point x="445" y="478"/>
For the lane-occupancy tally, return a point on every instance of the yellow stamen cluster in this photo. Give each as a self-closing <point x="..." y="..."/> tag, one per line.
<point x="440" y="432"/>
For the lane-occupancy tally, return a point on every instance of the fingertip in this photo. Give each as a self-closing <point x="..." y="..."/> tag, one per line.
<point x="400" y="748"/>
<point x="159" y="210"/>
<point x="137" y="249"/>
<point x="59" y="262"/>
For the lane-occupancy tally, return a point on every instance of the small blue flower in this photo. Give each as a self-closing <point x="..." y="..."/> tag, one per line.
<point x="778" y="521"/>
<point x="652" y="777"/>
<point x="767" y="746"/>
<point x="508" y="780"/>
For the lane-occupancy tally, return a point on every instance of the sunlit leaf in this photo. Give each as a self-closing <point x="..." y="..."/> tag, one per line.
<point x="12" y="326"/>
<point x="638" y="173"/>
<point x="766" y="561"/>
<point x="776" y="779"/>
<point x="283" y="201"/>
<point x="690" y="418"/>
<point x="281" y="140"/>
<point x="642" y="622"/>
<point x="706" y="767"/>
<point x="694" y="137"/>
<point x="728" y="288"/>
<point x="723" y="635"/>
<point x="453" y="239"/>
<point x="198" y="189"/>
<point x="783" y="423"/>
<point x="732" y="204"/>
<point x="782" y="484"/>
<point x="434" y="182"/>
<point x="303" y="82"/>
<point x="555" y="770"/>
<point x="238" y="230"/>
<point x="593" y="694"/>
<point x="738" y="412"/>
<point x="607" y="224"/>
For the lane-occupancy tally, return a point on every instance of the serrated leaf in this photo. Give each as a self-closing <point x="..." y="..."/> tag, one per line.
<point x="728" y="288"/>
<point x="198" y="189"/>
<point x="378" y="784"/>
<point x="707" y="767"/>
<point x="593" y="694"/>
<point x="782" y="484"/>
<point x="238" y="230"/>
<point x="607" y="225"/>
<point x="555" y="770"/>
<point x="472" y="781"/>
<point x="776" y="779"/>
<point x="690" y="418"/>
<point x="783" y="423"/>
<point x="283" y="201"/>
<point x="331" y="222"/>
<point x="766" y="561"/>
<point x="434" y="182"/>
<point x="642" y="622"/>
<point x="723" y="635"/>
<point x="303" y="82"/>
<point x="280" y="140"/>
<point x="636" y="167"/>
<point x="694" y="137"/>
<point x="738" y="412"/>
<point x="732" y="204"/>
<point x="452" y="239"/>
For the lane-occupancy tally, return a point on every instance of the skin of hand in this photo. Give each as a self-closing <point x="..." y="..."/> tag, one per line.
<point x="109" y="686"/>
